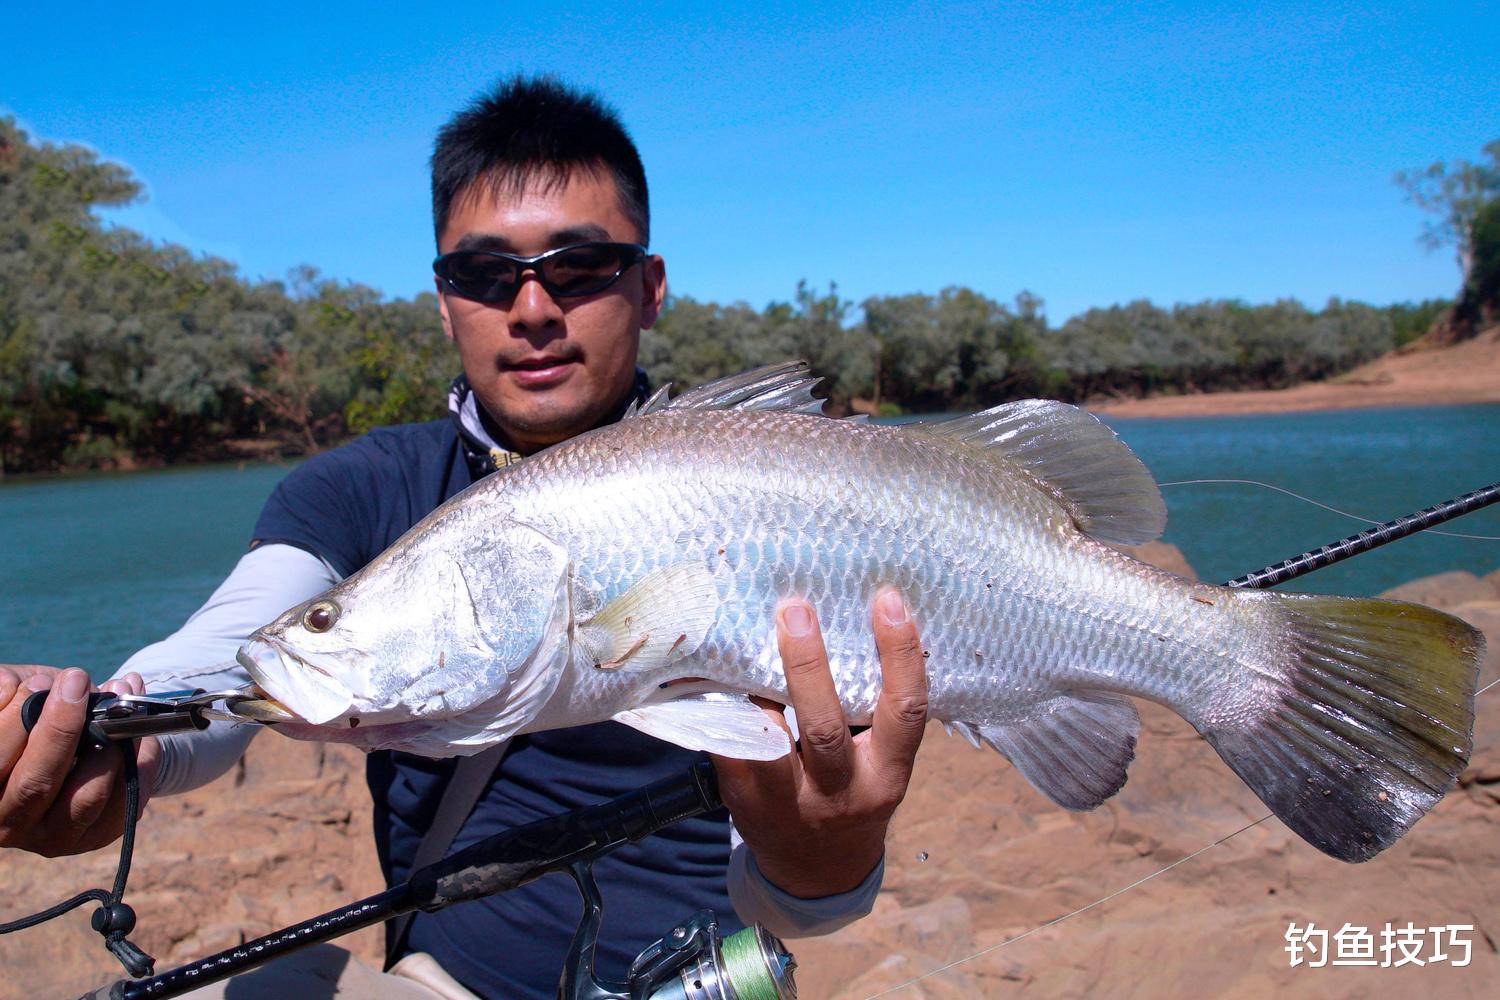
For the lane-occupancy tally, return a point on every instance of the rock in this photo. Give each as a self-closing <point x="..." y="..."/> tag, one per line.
<point x="284" y="836"/>
<point x="1445" y="590"/>
<point x="1163" y="556"/>
<point x="977" y="864"/>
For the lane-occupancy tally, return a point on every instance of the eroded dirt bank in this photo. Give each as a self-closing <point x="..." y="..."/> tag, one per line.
<point x="1465" y="373"/>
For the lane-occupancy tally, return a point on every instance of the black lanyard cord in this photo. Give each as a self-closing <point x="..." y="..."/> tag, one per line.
<point x="114" y="919"/>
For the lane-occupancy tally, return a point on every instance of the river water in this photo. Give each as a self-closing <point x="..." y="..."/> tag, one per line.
<point x="93" y="567"/>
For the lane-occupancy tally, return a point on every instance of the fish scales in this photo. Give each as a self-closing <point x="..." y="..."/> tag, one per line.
<point x="833" y="511"/>
<point x="572" y="587"/>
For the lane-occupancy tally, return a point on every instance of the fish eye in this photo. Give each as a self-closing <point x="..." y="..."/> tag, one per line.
<point x="320" y="617"/>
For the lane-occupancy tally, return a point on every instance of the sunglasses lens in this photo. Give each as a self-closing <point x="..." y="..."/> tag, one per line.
<point x="584" y="269"/>
<point x="481" y="276"/>
<point x="571" y="271"/>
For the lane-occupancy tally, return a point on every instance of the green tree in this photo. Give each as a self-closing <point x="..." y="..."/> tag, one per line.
<point x="814" y="327"/>
<point x="406" y="364"/>
<point x="1455" y="194"/>
<point x="1480" y="300"/>
<point x="694" y="342"/>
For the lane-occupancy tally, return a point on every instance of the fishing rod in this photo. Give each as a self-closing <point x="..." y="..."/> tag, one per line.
<point x="1265" y="577"/>
<point x="692" y="952"/>
<point x="1370" y="538"/>
<point x="691" y="962"/>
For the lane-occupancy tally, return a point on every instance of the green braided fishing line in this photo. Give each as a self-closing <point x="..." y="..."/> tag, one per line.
<point x="745" y="967"/>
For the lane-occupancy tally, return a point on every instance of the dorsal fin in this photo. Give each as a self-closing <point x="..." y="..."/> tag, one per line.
<point x="657" y="401"/>
<point x="787" y="386"/>
<point x="1074" y="456"/>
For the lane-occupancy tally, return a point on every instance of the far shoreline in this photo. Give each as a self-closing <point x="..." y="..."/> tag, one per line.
<point x="1462" y="375"/>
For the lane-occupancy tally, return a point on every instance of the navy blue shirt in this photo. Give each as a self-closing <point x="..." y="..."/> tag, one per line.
<point x="346" y="506"/>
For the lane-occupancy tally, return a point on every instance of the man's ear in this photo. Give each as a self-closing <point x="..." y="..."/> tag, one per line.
<point x="653" y="290"/>
<point x="443" y="307"/>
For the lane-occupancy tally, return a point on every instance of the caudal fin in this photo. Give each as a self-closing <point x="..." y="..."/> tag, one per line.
<point x="1371" y="725"/>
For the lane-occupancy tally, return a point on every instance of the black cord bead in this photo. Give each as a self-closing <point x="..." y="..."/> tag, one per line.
<point x="114" y="918"/>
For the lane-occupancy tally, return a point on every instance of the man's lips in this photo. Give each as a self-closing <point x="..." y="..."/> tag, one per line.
<point x="539" y="373"/>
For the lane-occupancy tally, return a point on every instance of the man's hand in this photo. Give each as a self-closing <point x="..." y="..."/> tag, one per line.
<point x="48" y="806"/>
<point x="816" y="819"/>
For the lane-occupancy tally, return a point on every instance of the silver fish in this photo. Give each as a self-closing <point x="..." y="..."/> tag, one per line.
<point x="569" y="588"/>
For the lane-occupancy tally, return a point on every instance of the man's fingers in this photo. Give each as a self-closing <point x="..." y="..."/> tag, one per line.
<point x="88" y="792"/>
<point x="827" y="746"/>
<point x="10" y="684"/>
<point x="48" y="753"/>
<point x="13" y="735"/>
<point x="98" y="819"/>
<point x="25" y="671"/>
<point x="762" y="779"/>
<point x="901" y="712"/>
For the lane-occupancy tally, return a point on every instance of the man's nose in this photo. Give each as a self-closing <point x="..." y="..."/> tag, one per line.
<point x="533" y="307"/>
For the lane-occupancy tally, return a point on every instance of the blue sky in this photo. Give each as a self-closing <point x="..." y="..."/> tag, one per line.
<point x="1088" y="153"/>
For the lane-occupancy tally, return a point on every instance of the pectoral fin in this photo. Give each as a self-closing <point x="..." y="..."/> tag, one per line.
<point x="664" y="616"/>
<point x="729" y="725"/>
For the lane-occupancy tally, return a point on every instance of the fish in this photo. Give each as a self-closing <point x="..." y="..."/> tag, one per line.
<point x="631" y="574"/>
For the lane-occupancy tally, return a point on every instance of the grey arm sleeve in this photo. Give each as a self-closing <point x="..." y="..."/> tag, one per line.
<point x="266" y="581"/>
<point x="756" y="900"/>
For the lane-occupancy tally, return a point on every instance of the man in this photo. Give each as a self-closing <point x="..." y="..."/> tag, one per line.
<point x="541" y="214"/>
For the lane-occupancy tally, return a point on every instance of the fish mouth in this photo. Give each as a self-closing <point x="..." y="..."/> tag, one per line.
<point x="298" y="685"/>
<point x="256" y="705"/>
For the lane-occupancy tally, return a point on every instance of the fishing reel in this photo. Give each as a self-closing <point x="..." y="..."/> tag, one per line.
<point x="692" y="962"/>
<point x="750" y="964"/>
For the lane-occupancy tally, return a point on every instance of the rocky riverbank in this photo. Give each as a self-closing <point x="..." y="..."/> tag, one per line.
<point x="976" y="859"/>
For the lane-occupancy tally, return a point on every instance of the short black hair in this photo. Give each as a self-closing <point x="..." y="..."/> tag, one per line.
<point x="527" y="128"/>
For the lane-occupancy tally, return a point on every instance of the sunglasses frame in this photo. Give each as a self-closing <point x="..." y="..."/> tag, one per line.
<point x="631" y="254"/>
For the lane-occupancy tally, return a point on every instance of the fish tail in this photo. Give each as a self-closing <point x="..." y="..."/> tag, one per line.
<point x="1370" y="720"/>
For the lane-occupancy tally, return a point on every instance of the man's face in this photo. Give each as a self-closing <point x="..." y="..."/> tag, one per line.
<point x="546" y="369"/>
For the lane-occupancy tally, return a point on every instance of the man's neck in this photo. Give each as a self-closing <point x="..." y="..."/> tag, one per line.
<point x="502" y="448"/>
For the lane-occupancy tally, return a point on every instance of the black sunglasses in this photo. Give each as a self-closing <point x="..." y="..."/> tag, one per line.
<point x="567" y="272"/>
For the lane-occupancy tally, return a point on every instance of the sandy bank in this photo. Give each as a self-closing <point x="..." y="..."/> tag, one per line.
<point x="1465" y="373"/>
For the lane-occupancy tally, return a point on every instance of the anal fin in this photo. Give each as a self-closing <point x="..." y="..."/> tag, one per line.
<point x="1074" y="750"/>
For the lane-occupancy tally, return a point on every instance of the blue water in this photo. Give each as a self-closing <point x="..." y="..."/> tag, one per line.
<point x="94" y="567"/>
<point x="1378" y="464"/>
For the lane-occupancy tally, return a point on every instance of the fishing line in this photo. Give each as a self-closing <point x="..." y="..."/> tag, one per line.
<point x="1057" y="920"/>
<point x="1098" y="902"/>
<point x="1324" y="506"/>
<point x="1270" y="576"/>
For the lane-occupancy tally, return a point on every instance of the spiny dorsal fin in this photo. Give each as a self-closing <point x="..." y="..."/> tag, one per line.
<point x="658" y="401"/>
<point x="787" y="386"/>
<point x="1074" y="456"/>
